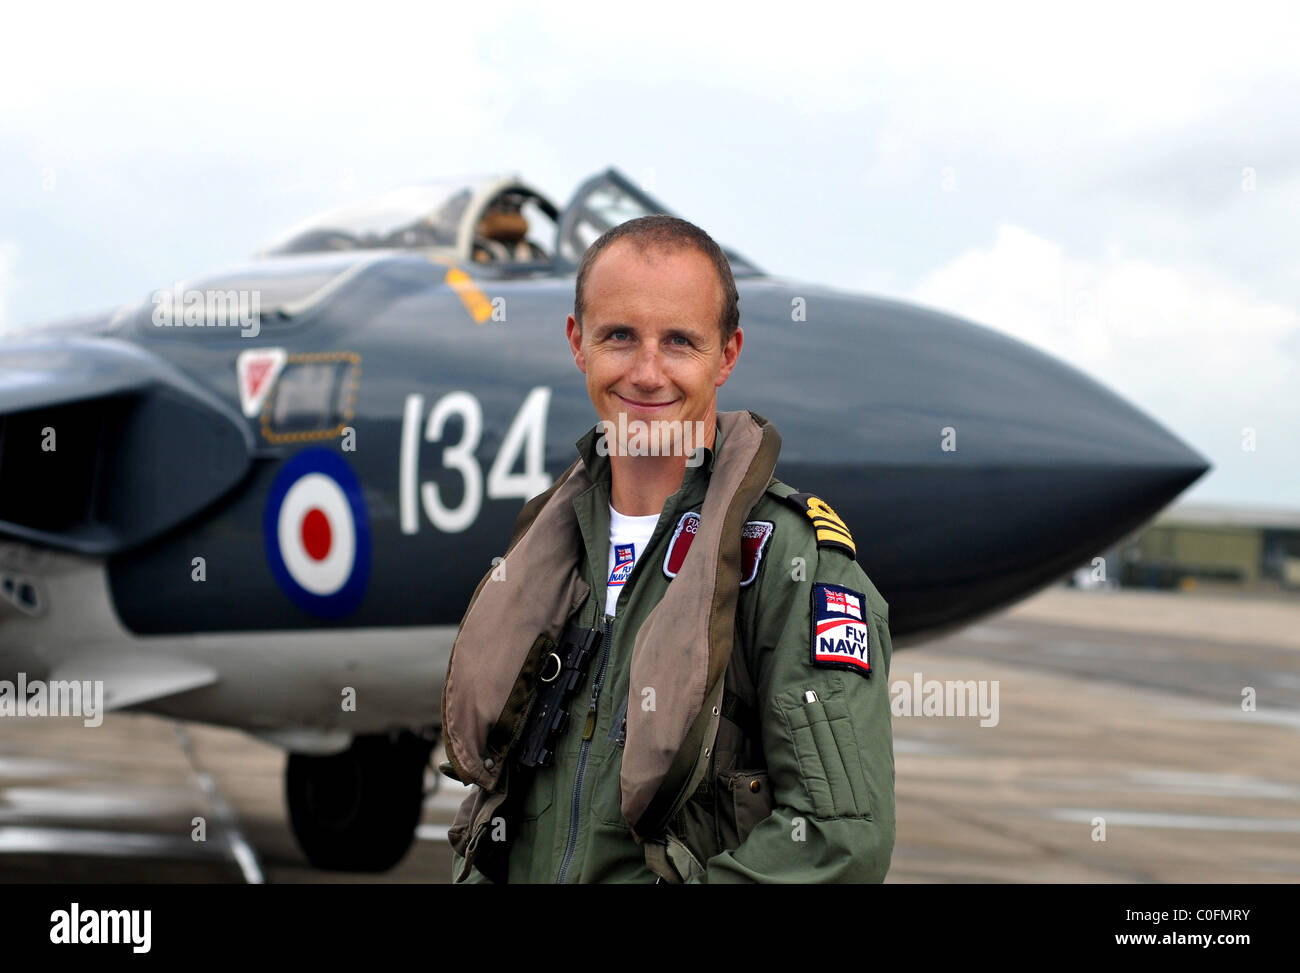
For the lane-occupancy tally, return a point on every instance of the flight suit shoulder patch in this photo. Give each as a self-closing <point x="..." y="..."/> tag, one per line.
<point x="754" y="537"/>
<point x="831" y="530"/>
<point x="687" y="527"/>
<point x="841" y="633"/>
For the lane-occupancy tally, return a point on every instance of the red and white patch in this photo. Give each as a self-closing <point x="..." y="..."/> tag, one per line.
<point x="753" y="543"/>
<point x="317" y="534"/>
<point x="256" y="371"/>
<point x="687" y="528"/>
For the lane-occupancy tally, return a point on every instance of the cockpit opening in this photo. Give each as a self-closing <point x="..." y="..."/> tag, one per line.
<point x="489" y="220"/>
<point x="516" y="227"/>
<point x="495" y="220"/>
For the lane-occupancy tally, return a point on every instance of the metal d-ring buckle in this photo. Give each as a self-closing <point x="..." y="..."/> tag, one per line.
<point x="558" y="666"/>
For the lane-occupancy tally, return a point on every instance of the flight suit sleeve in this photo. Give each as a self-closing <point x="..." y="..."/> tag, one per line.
<point x="826" y="735"/>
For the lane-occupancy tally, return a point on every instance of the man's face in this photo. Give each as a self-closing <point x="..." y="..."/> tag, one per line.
<point x="651" y="345"/>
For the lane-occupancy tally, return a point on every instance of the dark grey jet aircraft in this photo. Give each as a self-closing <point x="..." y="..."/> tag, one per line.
<point x="262" y="498"/>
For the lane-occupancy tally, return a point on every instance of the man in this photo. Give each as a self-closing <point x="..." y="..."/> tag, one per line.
<point x="730" y="717"/>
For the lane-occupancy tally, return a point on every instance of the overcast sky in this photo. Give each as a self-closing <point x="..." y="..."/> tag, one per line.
<point x="1116" y="184"/>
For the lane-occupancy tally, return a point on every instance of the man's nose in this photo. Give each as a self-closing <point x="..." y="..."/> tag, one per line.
<point x="647" y="371"/>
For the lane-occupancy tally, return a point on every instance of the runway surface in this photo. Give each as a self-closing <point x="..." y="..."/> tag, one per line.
<point x="1121" y="752"/>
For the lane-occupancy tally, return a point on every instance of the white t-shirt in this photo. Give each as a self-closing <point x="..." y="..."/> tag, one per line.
<point x="628" y="537"/>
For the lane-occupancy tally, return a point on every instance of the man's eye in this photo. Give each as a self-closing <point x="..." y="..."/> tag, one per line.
<point x="681" y="341"/>
<point x="618" y="335"/>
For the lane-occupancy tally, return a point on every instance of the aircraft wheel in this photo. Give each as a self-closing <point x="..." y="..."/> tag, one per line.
<point x="357" y="811"/>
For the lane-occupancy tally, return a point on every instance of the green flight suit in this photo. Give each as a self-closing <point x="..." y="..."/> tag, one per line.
<point x="829" y="762"/>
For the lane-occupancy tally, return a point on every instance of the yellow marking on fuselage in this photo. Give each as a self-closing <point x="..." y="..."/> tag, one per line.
<point x="475" y="301"/>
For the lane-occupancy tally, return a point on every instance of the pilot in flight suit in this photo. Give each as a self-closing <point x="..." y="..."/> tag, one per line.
<point x="800" y="781"/>
<point x="731" y="718"/>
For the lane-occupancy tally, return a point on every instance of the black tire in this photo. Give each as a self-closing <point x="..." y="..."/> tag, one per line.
<point x="357" y="811"/>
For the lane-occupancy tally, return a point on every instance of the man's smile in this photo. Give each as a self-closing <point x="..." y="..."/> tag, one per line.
<point x="644" y="406"/>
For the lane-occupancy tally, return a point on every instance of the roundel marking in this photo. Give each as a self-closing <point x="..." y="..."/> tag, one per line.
<point x="317" y="533"/>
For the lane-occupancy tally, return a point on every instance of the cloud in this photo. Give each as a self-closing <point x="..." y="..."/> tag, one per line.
<point x="1205" y="357"/>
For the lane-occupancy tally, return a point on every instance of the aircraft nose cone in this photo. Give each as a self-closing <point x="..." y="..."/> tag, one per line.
<point x="972" y="468"/>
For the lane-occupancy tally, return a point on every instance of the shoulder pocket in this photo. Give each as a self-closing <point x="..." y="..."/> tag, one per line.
<point x="826" y="749"/>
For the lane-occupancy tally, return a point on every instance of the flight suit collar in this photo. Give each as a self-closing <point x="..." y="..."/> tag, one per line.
<point x="591" y="507"/>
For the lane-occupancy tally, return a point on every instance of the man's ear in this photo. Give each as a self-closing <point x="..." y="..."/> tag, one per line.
<point x="730" y="352"/>
<point x="573" y="331"/>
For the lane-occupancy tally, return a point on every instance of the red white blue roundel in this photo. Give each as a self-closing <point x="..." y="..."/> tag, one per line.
<point x="317" y="534"/>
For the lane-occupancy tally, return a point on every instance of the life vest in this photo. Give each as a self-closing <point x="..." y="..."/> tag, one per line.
<point x="515" y="618"/>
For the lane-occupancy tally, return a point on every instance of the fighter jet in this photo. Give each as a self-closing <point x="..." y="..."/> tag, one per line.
<point x="262" y="498"/>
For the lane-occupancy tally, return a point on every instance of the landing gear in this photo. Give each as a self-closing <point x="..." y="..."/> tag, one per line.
<point x="357" y="811"/>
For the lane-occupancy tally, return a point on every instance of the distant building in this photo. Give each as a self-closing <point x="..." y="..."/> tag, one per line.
<point x="1255" y="548"/>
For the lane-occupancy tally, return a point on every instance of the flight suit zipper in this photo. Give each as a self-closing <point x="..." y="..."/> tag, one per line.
<point x="588" y="731"/>
<point x="589" y="728"/>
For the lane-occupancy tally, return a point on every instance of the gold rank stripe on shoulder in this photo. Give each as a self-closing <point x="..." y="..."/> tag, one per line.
<point x="831" y="529"/>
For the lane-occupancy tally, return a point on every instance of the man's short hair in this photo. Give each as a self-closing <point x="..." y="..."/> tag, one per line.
<point x="666" y="233"/>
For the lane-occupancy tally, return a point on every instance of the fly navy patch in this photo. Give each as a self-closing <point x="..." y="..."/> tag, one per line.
<point x="753" y="542"/>
<point x="840" y="633"/>
<point x="624" y="558"/>
<point x="686" y="530"/>
<point x="831" y="530"/>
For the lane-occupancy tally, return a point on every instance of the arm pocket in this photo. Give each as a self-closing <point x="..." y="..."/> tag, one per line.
<point x="826" y="748"/>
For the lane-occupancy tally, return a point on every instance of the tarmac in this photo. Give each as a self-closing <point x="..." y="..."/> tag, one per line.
<point x="1137" y="737"/>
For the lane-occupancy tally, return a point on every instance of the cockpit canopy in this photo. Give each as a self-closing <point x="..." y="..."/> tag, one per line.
<point x="489" y="220"/>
